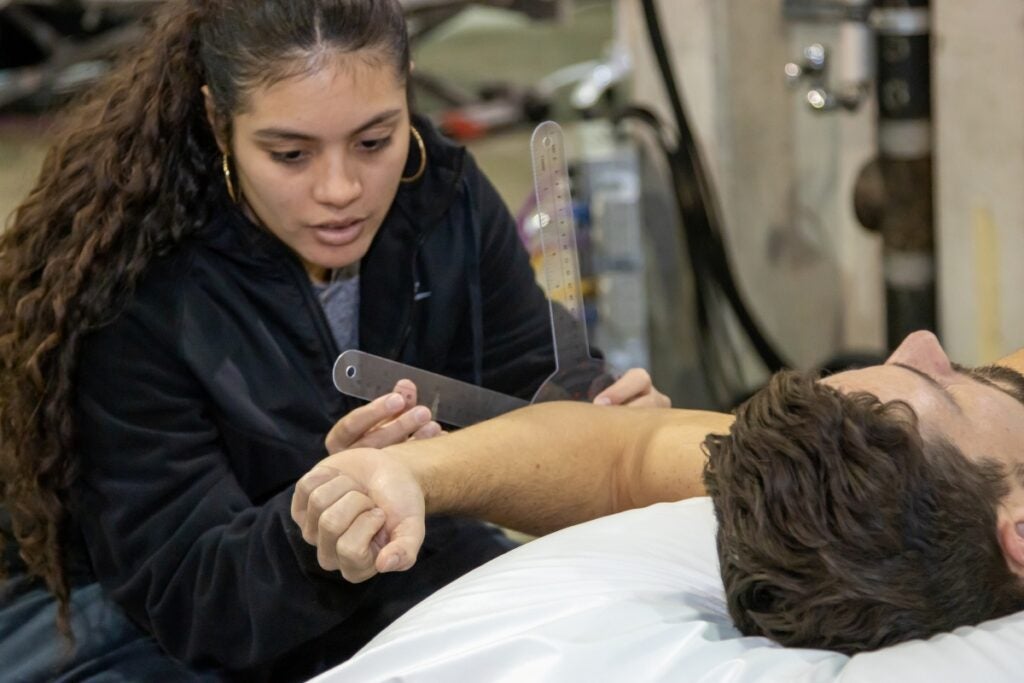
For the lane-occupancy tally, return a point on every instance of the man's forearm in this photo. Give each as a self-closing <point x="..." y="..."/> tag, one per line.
<point x="555" y="464"/>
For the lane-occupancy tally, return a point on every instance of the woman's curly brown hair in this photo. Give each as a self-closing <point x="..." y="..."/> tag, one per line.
<point x="134" y="170"/>
<point x="841" y="528"/>
<point x="128" y="176"/>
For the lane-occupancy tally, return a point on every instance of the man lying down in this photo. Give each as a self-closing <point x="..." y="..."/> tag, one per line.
<point x="856" y="511"/>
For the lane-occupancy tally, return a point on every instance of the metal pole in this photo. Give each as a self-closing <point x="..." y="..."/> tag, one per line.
<point x="900" y="205"/>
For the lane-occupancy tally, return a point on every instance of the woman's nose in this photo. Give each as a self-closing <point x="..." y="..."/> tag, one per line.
<point x="921" y="350"/>
<point x="336" y="185"/>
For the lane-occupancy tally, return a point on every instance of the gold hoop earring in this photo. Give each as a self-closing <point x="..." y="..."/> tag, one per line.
<point x="423" y="158"/>
<point x="227" y="178"/>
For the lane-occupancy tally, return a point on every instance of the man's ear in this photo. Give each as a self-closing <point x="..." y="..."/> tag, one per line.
<point x="213" y="119"/>
<point x="1011" y="537"/>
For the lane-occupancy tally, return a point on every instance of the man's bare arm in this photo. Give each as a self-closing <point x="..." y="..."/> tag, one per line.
<point x="537" y="469"/>
<point x="552" y="465"/>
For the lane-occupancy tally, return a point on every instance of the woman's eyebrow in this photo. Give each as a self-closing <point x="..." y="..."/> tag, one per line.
<point x="282" y="134"/>
<point x="382" y="117"/>
<point x="286" y="134"/>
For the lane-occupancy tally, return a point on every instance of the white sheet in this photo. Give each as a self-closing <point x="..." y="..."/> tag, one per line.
<point x="637" y="597"/>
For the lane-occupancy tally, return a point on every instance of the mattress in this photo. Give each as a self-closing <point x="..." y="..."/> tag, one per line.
<point x="637" y="597"/>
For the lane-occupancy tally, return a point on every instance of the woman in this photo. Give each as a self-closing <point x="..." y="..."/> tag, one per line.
<point x="247" y="195"/>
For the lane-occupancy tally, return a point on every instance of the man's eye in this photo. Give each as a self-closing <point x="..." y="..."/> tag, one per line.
<point x="289" y="157"/>
<point x="376" y="144"/>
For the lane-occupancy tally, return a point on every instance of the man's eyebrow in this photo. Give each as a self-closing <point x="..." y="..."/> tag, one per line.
<point x="996" y="377"/>
<point x="285" y="134"/>
<point x="931" y="380"/>
<point x="966" y="372"/>
<point x="923" y="375"/>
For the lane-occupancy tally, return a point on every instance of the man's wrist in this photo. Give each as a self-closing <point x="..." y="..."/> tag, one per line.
<point x="420" y="457"/>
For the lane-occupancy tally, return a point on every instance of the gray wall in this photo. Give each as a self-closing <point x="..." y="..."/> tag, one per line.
<point x="979" y="112"/>
<point x="784" y="174"/>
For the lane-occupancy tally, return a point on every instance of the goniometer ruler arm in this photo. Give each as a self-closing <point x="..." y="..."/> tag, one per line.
<point x="453" y="402"/>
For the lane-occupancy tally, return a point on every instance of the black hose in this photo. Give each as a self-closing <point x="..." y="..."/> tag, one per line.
<point x="694" y="192"/>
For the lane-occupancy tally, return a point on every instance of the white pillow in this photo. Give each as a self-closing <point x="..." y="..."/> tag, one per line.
<point x="637" y="597"/>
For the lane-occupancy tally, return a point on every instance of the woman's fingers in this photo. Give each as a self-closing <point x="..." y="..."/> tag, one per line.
<point x="348" y="431"/>
<point x="635" y="389"/>
<point x="387" y="420"/>
<point x="398" y="430"/>
<point x="428" y="431"/>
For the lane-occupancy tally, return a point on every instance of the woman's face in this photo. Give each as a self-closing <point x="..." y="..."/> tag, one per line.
<point x="318" y="157"/>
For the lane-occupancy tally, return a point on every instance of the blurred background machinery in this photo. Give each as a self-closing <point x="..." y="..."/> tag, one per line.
<point x="53" y="48"/>
<point x="787" y="181"/>
<point x="920" y="129"/>
<point x="50" y="49"/>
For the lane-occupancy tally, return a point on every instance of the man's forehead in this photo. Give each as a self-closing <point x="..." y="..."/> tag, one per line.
<point x="881" y="380"/>
<point x="894" y="382"/>
<point x="1001" y="377"/>
<point x="924" y="394"/>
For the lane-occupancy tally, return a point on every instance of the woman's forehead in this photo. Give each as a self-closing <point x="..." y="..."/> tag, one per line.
<point x="342" y="97"/>
<point x="335" y="79"/>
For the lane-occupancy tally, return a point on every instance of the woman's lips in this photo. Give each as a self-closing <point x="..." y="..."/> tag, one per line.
<point x="338" y="234"/>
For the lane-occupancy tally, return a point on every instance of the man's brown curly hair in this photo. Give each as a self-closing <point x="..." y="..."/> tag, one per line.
<point x="840" y="527"/>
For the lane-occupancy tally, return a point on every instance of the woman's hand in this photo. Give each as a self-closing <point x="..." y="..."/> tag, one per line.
<point x="633" y="389"/>
<point x="386" y="420"/>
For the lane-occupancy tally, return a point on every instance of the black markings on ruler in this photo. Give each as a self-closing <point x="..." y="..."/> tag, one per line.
<point x="452" y="402"/>
<point x="558" y="236"/>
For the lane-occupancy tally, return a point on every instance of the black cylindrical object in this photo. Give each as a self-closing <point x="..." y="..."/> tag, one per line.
<point x="905" y="216"/>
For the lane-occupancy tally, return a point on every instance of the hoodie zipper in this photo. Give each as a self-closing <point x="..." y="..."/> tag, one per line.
<point x="421" y="238"/>
<point x="406" y="326"/>
<point x="323" y="328"/>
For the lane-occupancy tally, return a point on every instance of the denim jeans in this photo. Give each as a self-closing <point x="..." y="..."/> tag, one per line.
<point x="108" y="647"/>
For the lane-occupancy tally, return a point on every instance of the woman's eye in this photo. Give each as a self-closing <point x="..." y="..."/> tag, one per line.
<point x="289" y="157"/>
<point x="375" y="144"/>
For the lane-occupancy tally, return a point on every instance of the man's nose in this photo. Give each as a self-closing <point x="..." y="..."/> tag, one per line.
<point x="922" y="350"/>
<point x="336" y="184"/>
